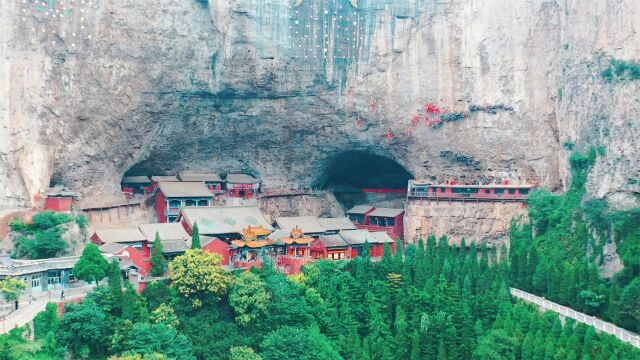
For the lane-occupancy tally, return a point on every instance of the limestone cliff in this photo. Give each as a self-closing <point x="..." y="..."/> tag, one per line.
<point x="482" y="222"/>
<point x="90" y="90"/>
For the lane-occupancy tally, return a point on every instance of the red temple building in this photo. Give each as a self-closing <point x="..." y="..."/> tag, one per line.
<point x="136" y="185"/>
<point x="378" y="219"/>
<point x="331" y="246"/>
<point x="131" y="236"/>
<point x="59" y="199"/>
<point x="376" y="240"/>
<point x="348" y="244"/>
<point x="216" y="246"/>
<point x="212" y="181"/>
<point x="458" y="192"/>
<point x="172" y="196"/>
<point x="242" y="186"/>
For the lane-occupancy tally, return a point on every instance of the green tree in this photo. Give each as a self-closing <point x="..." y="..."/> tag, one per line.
<point x="157" y="293"/>
<point x="495" y="345"/>
<point x="195" y="237"/>
<point x="197" y="275"/>
<point x="91" y="266"/>
<point x="164" y="314"/>
<point x="133" y="308"/>
<point x="43" y="244"/>
<point x="302" y="344"/>
<point x="115" y="287"/>
<point x="11" y="288"/>
<point x="248" y="297"/>
<point x="158" y="262"/>
<point x="243" y="353"/>
<point x="147" y="339"/>
<point x="84" y="329"/>
<point x="46" y="322"/>
<point x="42" y="238"/>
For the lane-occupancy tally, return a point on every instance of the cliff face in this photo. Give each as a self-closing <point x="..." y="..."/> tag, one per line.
<point x="278" y="89"/>
<point x="475" y="222"/>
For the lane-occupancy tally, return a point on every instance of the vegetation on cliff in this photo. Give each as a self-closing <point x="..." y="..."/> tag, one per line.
<point x="558" y="255"/>
<point x="42" y="237"/>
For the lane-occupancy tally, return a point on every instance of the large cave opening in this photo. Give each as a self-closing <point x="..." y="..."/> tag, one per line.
<point x="360" y="177"/>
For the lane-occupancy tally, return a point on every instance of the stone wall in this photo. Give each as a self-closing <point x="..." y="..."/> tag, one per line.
<point x="478" y="222"/>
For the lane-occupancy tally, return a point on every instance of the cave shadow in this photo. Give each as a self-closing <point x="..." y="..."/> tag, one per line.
<point x="346" y="174"/>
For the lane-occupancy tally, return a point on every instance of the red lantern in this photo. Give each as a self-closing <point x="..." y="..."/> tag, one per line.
<point x="359" y="122"/>
<point x="389" y="135"/>
<point x="415" y="120"/>
<point x="374" y="105"/>
<point x="431" y="108"/>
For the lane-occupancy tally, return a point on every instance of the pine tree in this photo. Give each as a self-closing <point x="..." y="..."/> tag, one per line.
<point x="398" y="257"/>
<point x="195" y="237"/>
<point x="415" y="346"/>
<point x="132" y="306"/>
<point x="158" y="262"/>
<point x="115" y="287"/>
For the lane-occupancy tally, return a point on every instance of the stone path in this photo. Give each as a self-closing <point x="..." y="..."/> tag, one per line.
<point x="609" y="328"/>
<point x="27" y="311"/>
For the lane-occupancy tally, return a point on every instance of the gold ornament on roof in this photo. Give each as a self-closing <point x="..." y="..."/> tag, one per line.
<point x="297" y="233"/>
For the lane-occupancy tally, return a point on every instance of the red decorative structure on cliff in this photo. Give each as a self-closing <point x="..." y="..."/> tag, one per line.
<point x="459" y="192"/>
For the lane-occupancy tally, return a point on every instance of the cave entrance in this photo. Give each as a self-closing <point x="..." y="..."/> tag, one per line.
<point x="359" y="177"/>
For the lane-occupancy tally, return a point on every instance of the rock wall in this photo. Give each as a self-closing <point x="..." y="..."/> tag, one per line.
<point x="323" y="205"/>
<point x="482" y="222"/>
<point x="276" y="88"/>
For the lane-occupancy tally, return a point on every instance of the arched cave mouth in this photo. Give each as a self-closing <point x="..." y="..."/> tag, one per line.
<point x="348" y="173"/>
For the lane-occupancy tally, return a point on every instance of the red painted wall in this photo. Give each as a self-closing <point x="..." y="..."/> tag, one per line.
<point x="161" y="207"/>
<point x="139" y="258"/>
<point x="58" y="203"/>
<point x="95" y="239"/>
<point x="186" y="226"/>
<point x="219" y="247"/>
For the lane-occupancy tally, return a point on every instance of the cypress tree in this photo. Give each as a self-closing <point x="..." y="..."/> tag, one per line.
<point x="158" y="262"/>
<point x="195" y="237"/>
<point x="115" y="287"/>
<point x="398" y="257"/>
<point x="132" y="307"/>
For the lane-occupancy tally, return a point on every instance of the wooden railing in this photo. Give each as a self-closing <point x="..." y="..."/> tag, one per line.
<point x="607" y="327"/>
<point x="467" y="196"/>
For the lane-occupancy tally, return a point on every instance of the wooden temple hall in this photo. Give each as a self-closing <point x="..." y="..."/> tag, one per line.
<point x="288" y="250"/>
<point x="257" y="243"/>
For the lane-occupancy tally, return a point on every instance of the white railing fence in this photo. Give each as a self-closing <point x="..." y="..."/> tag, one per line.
<point x="609" y="328"/>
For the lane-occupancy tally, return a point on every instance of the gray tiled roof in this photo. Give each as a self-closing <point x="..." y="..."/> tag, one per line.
<point x="113" y="248"/>
<point x="360" y="209"/>
<point x="159" y="178"/>
<point x="240" y="179"/>
<point x="358" y="237"/>
<point x="167" y="231"/>
<point x="333" y="241"/>
<point x="136" y="180"/>
<point x="386" y="212"/>
<point x="308" y="224"/>
<point x="200" y="177"/>
<point x="214" y="220"/>
<point x="184" y="189"/>
<point x="120" y="235"/>
<point x="336" y="224"/>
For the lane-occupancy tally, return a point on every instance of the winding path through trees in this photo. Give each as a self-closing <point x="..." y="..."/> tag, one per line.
<point x="598" y="324"/>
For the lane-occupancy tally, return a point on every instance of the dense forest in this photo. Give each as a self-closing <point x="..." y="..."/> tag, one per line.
<point x="562" y="260"/>
<point x="430" y="302"/>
